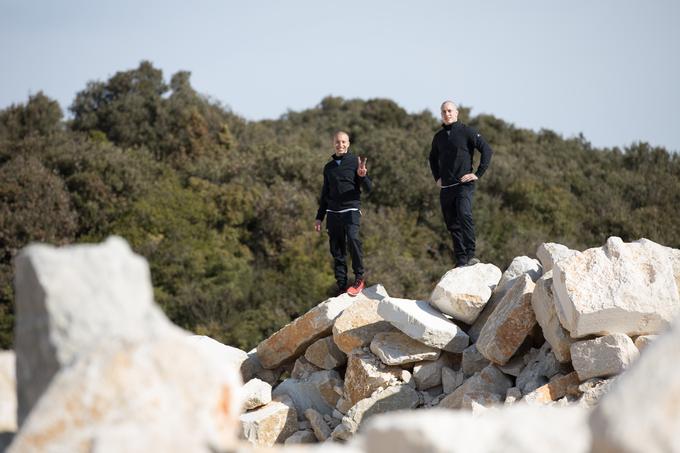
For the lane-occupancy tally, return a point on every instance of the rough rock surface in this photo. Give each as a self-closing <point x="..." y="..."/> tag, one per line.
<point x="292" y="340"/>
<point x="256" y="393"/>
<point x="429" y="374"/>
<point x="473" y="361"/>
<point x="69" y="300"/>
<point x="396" y="348"/>
<point x="319" y="426"/>
<point x="316" y="391"/>
<point x="490" y="379"/>
<point x="325" y="354"/>
<point x="618" y="288"/>
<point x="451" y="379"/>
<point x="549" y="253"/>
<point x="358" y="324"/>
<point x="557" y="388"/>
<point x="393" y="398"/>
<point x="418" y="320"/>
<point x="270" y="424"/>
<point x="509" y="324"/>
<point x="462" y="292"/>
<point x="8" y="392"/>
<point x="365" y="374"/>
<point x="543" y="303"/>
<point x="604" y="356"/>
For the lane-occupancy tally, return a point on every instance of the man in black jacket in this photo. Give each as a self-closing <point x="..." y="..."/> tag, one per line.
<point x="343" y="177"/>
<point x="451" y="156"/>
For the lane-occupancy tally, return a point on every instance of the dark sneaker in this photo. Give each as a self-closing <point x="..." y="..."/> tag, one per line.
<point x="472" y="262"/>
<point x="357" y="287"/>
<point x="461" y="263"/>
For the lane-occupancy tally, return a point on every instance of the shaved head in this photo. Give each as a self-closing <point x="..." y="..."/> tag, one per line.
<point x="341" y="133"/>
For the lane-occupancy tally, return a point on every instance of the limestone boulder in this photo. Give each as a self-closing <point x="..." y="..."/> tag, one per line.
<point x="252" y="368"/>
<point x="462" y="292"/>
<point x="516" y="429"/>
<point x="304" y="436"/>
<point x="540" y="366"/>
<point x="429" y="374"/>
<point x="160" y="395"/>
<point x="321" y="430"/>
<point x="509" y="324"/>
<point x="227" y="354"/>
<point x="604" y="356"/>
<point x="303" y="368"/>
<point x="543" y="303"/>
<point x="358" y="324"/>
<point x="273" y="423"/>
<point x="618" y="288"/>
<point x="256" y="393"/>
<point x="325" y="354"/>
<point x="71" y="299"/>
<point x="473" y="361"/>
<point x="451" y="379"/>
<point x="418" y="320"/>
<point x="317" y="391"/>
<point x="643" y="341"/>
<point x="549" y="253"/>
<point x="365" y="374"/>
<point x="292" y="340"/>
<point x="490" y="380"/>
<point x="641" y="411"/>
<point x="396" y="348"/>
<point x="557" y="388"/>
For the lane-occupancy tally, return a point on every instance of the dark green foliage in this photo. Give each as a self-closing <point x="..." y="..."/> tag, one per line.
<point x="224" y="209"/>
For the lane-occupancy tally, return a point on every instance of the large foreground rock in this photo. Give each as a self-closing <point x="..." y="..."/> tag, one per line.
<point x="291" y="340"/>
<point x="621" y="287"/>
<point x="641" y="412"/>
<point x="163" y="395"/>
<point x="71" y="299"/>
<point x="360" y="322"/>
<point x="418" y="320"/>
<point x="8" y="392"/>
<point x="462" y="292"/>
<point x="509" y="324"/>
<point x="517" y="429"/>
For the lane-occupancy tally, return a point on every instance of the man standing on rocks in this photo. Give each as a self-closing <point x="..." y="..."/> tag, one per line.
<point x="451" y="158"/>
<point x="343" y="178"/>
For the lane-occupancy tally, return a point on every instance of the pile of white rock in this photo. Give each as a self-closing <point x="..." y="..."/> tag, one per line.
<point x="555" y="354"/>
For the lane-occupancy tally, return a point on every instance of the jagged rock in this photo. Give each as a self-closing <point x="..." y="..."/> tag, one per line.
<point x="593" y="390"/>
<point x="512" y="395"/>
<point x="71" y="299"/>
<point x="252" y="368"/>
<point x="473" y="361"/>
<point x="256" y="393"/>
<point x="482" y="398"/>
<point x="365" y="374"/>
<point x="603" y="356"/>
<point x="8" y="393"/>
<point x="159" y="395"/>
<point x="292" y="340"/>
<point x="555" y="389"/>
<point x="641" y="412"/>
<point x="490" y="379"/>
<point x="319" y="426"/>
<point x="315" y="391"/>
<point x="462" y="292"/>
<point x="273" y="423"/>
<point x="304" y="436"/>
<point x="541" y="365"/>
<point x="358" y="324"/>
<point x="418" y="320"/>
<point x="618" y="288"/>
<point x="514" y="366"/>
<point x="519" y="266"/>
<point x="516" y="429"/>
<point x="451" y="379"/>
<point x="343" y="405"/>
<point x="643" y="341"/>
<point x="325" y="354"/>
<point x="396" y="348"/>
<point x="543" y="303"/>
<point x="429" y="374"/>
<point x="509" y="324"/>
<point x="549" y="253"/>
<point x="303" y="368"/>
<point x="393" y="398"/>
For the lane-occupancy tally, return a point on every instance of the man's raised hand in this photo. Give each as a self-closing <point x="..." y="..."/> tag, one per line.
<point x="362" y="170"/>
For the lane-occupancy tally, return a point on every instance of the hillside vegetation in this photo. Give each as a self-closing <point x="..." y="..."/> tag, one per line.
<point x="223" y="208"/>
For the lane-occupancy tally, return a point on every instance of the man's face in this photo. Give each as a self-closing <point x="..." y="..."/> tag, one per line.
<point x="449" y="113"/>
<point x="341" y="144"/>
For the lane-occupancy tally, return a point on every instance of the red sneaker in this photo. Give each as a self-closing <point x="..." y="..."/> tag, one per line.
<point x="357" y="287"/>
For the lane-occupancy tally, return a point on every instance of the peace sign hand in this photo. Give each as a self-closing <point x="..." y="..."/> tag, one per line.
<point x="362" y="170"/>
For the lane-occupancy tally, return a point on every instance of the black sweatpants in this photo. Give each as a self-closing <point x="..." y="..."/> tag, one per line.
<point x="343" y="232"/>
<point x="456" y="204"/>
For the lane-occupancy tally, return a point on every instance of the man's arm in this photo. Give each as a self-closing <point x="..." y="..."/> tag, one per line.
<point x="434" y="161"/>
<point x="485" y="151"/>
<point x="323" y="204"/>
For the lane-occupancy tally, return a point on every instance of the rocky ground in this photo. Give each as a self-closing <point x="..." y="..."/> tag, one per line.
<point x="573" y="351"/>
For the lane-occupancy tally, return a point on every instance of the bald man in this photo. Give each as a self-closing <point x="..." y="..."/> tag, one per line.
<point x="451" y="157"/>
<point x="340" y="203"/>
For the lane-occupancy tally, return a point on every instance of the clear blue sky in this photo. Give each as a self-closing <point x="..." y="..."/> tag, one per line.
<point x="609" y="69"/>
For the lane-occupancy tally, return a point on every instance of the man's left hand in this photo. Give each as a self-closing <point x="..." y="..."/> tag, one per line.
<point x="362" y="170"/>
<point x="469" y="177"/>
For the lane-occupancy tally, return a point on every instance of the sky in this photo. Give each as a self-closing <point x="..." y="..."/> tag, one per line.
<point x="609" y="69"/>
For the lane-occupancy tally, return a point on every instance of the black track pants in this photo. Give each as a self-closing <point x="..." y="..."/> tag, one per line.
<point x="456" y="204"/>
<point x="343" y="232"/>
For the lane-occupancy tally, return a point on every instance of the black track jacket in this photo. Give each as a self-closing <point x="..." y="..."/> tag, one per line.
<point x="452" y="153"/>
<point x="341" y="185"/>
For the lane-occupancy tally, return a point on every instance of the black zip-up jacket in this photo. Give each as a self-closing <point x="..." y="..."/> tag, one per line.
<point x="341" y="185"/>
<point x="452" y="152"/>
